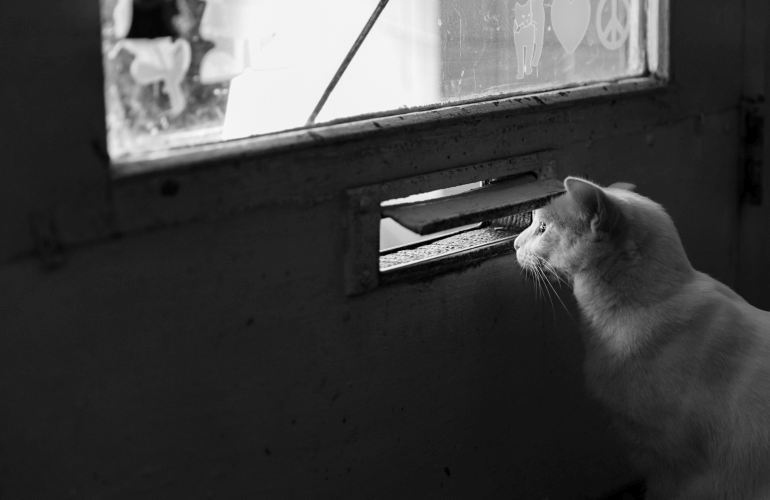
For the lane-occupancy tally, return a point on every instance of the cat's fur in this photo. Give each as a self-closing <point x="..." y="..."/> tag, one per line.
<point x="681" y="361"/>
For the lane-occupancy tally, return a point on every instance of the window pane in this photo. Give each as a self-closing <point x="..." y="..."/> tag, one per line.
<point x="440" y="51"/>
<point x="187" y="72"/>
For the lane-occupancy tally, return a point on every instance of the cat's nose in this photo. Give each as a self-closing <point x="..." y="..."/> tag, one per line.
<point x="516" y="244"/>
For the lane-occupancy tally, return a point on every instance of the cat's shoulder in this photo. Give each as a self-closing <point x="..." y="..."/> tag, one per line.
<point x="711" y="300"/>
<point x="713" y="289"/>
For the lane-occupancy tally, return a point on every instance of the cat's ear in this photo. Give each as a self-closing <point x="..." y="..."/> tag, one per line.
<point x="599" y="209"/>
<point x="623" y="185"/>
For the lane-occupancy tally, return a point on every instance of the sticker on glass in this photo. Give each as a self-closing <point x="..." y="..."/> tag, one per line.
<point x="614" y="28"/>
<point x="570" y="20"/>
<point x="528" y="31"/>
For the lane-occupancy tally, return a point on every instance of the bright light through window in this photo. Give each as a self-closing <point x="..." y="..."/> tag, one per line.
<point x="189" y="72"/>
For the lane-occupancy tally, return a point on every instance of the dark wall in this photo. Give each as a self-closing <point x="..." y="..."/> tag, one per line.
<point x="223" y="358"/>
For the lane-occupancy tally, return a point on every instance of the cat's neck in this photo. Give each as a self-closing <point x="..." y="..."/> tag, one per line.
<point x="624" y="295"/>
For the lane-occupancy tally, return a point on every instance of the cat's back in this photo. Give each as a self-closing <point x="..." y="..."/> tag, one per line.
<point x="705" y="351"/>
<point x="713" y="375"/>
<point x="697" y="392"/>
<point x="717" y="321"/>
<point x="713" y="345"/>
<point x="734" y="352"/>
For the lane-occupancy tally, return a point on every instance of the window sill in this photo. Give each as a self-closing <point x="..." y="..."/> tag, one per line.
<point x="358" y="128"/>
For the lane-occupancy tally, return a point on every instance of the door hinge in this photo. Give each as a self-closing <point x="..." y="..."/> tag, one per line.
<point x="753" y="134"/>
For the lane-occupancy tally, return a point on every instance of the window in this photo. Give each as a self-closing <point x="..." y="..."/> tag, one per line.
<point x="182" y="73"/>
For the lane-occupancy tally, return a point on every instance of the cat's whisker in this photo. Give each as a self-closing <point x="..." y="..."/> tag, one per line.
<point x="551" y="270"/>
<point x="543" y="280"/>
<point x="536" y="280"/>
<point x="555" y="273"/>
<point x="531" y="275"/>
<point x="539" y="271"/>
<point x="559" y="299"/>
<point x="561" y="279"/>
<point x="538" y="284"/>
<point x="536" y="274"/>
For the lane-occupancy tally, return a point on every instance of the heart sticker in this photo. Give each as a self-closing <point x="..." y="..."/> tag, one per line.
<point x="570" y="20"/>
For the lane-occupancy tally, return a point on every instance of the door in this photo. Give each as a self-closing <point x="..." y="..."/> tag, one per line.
<point x="181" y="325"/>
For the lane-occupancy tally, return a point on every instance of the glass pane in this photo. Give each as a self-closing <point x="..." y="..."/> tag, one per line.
<point x="188" y="72"/>
<point x="426" y="52"/>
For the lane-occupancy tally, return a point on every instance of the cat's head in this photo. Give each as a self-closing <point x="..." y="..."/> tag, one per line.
<point x="523" y="13"/>
<point x="590" y="226"/>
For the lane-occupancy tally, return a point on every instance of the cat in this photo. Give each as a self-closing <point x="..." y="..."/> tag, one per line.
<point x="681" y="361"/>
<point x="528" y="32"/>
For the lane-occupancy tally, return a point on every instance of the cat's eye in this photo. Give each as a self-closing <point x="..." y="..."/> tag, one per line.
<point x="541" y="228"/>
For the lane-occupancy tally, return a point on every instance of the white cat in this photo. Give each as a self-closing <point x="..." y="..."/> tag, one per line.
<point x="681" y="361"/>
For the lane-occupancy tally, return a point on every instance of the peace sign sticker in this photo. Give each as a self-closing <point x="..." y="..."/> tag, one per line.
<point x="614" y="33"/>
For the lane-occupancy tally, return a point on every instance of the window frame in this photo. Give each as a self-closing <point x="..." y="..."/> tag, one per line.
<point x="145" y="186"/>
<point x="656" y="76"/>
